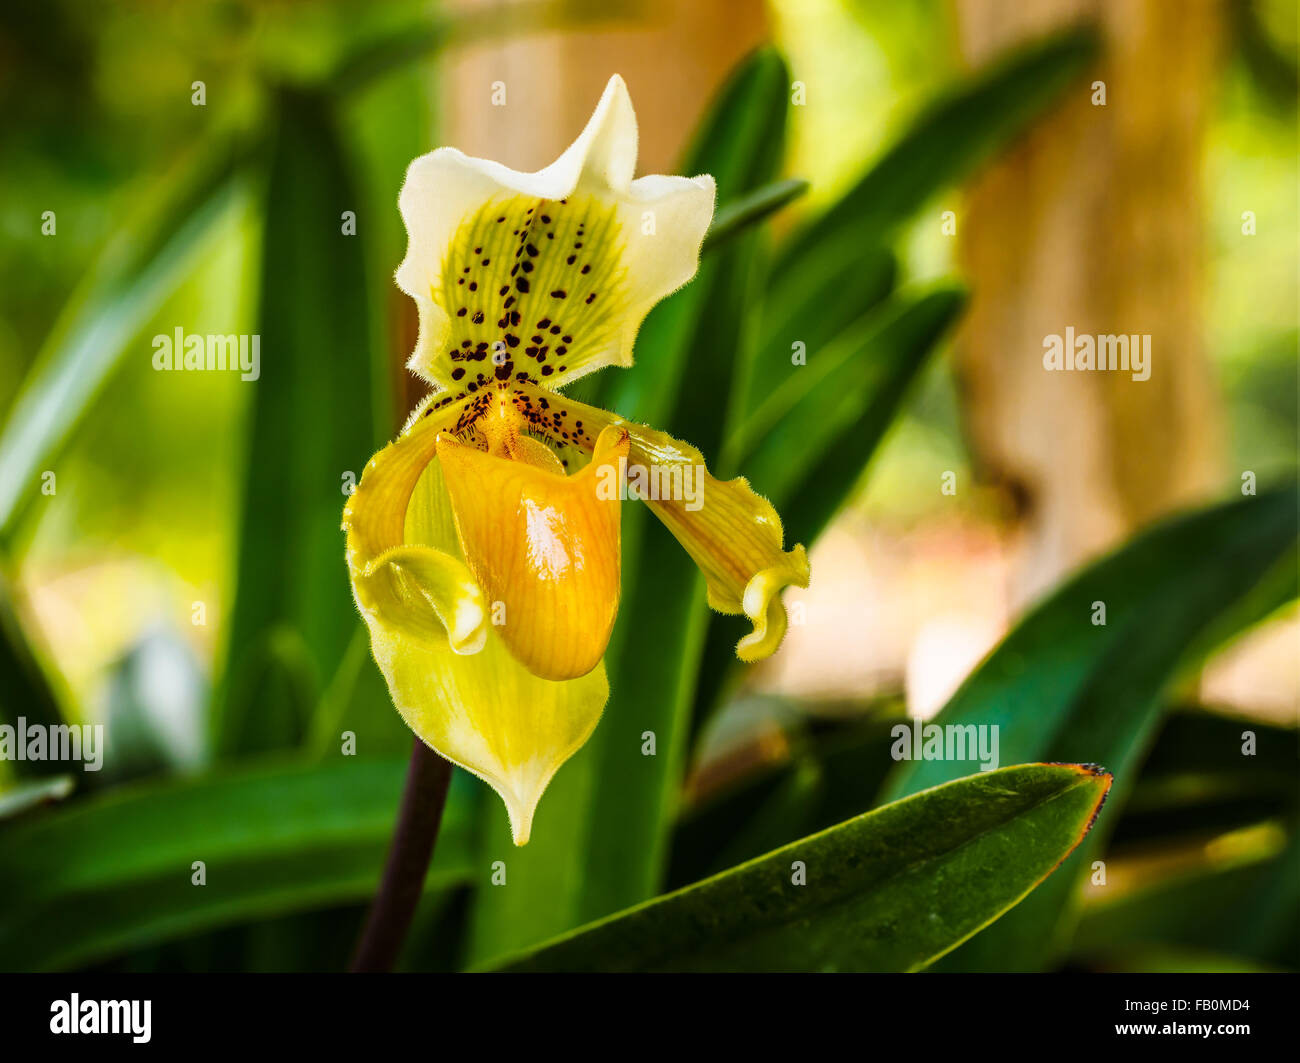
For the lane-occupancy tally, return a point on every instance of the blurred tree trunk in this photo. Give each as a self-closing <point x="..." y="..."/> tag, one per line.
<point x="1093" y="222"/>
<point x="673" y="54"/>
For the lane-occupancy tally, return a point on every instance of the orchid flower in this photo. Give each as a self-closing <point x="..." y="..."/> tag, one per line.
<point x="483" y="544"/>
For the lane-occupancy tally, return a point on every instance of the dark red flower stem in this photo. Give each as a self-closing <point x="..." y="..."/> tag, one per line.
<point x="418" y="820"/>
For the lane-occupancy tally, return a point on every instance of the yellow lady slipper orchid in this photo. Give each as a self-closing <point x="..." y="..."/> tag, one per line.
<point x="483" y="545"/>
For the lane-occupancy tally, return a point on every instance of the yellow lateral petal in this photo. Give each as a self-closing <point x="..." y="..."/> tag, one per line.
<point x="544" y="546"/>
<point x="733" y="534"/>
<point x="426" y="592"/>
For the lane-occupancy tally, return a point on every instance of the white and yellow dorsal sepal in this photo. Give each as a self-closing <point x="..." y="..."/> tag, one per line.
<point x="544" y="277"/>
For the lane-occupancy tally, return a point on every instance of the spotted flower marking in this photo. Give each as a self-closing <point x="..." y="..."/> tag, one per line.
<point x="534" y="289"/>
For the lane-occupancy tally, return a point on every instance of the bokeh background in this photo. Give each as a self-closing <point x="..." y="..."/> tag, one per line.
<point x="1155" y="192"/>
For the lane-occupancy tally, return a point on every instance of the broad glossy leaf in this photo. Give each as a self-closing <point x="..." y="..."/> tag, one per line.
<point x="888" y="891"/>
<point x="312" y="424"/>
<point x="113" y="873"/>
<point x="1061" y="687"/>
<point x="1194" y="781"/>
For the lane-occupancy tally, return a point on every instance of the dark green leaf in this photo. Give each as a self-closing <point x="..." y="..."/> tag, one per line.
<point x="114" y="873"/>
<point x="741" y="213"/>
<point x="311" y="426"/>
<point x="833" y="772"/>
<point x="888" y="891"/>
<point x="1061" y="687"/>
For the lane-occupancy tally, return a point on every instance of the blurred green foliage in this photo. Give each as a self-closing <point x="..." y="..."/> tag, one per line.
<point x="228" y="217"/>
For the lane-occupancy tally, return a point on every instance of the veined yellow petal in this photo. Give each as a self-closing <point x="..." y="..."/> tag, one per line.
<point x="733" y="534"/>
<point x="450" y="675"/>
<point x="544" y="546"/>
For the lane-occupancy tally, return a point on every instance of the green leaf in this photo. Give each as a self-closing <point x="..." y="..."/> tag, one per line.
<point x="601" y="836"/>
<point x="357" y="700"/>
<point x="826" y="312"/>
<point x="837" y="267"/>
<point x="943" y="146"/>
<point x="1061" y="687"/>
<point x="834" y="770"/>
<point x="138" y="271"/>
<point x="888" y="891"/>
<point x="312" y="424"/>
<point x="810" y="458"/>
<point x="741" y="213"/>
<point x="809" y="444"/>
<point x="113" y="873"/>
